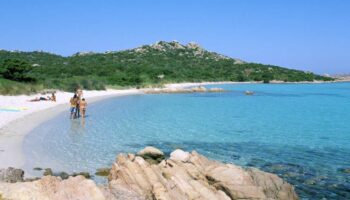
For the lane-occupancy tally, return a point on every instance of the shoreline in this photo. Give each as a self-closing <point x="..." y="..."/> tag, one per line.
<point x="13" y="131"/>
<point x="15" y="126"/>
<point x="189" y="84"/>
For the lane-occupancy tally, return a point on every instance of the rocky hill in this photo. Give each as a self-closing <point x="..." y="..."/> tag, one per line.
<point x="159" y="63"/>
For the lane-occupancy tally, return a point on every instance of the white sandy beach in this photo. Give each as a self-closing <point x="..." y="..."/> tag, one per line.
<point x="15" y="125"/>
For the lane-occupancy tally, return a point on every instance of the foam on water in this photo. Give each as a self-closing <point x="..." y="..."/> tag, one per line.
<point x="299" y="131"/>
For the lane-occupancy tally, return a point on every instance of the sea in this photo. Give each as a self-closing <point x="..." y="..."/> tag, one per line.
<point x="301" y="132"/>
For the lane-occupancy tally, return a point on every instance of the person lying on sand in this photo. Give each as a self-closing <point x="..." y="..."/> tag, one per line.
<point x="48" y="98"/>
<point x="82" y="107"/>
<point x="39" y="99"/>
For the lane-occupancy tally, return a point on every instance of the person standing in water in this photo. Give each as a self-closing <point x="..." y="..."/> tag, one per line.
<point x="73" y="106"/>
<point x="82" y="106"/>
<point x="79" y="93"/>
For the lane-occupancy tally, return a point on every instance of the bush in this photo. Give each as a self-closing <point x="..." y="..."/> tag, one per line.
<point x="8" y="87"/>
<point x="17" y="70"/>
<point x="267" y="77"/>
<point x="73" y="86"/>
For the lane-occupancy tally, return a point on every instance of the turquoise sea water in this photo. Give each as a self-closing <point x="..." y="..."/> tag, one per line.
<point x="299" y="131"/>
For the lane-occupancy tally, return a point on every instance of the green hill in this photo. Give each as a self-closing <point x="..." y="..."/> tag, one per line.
<point x="162" y="62"/>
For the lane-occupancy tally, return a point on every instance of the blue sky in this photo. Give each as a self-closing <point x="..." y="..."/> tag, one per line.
<point x="310" y="35"/>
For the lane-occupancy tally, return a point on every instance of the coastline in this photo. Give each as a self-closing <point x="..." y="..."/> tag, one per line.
<point x="189" y="84"/>
<point x="15" y="126"/>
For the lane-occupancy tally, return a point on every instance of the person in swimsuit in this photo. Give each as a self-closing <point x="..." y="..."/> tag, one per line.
<point x="79" y="94"/>
<point x="38" y="99"/>
<point x="73" y="106"/>
<point x="53" y="97"/>
<point x="82" y="107"/>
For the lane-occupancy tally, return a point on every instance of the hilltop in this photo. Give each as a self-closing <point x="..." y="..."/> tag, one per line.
<point x="156" y="64"/>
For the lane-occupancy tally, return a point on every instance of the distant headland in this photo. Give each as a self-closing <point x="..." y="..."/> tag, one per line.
<point x="149" y="65"/>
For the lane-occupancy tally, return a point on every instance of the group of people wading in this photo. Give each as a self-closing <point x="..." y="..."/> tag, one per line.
<point x="78" y="105"/>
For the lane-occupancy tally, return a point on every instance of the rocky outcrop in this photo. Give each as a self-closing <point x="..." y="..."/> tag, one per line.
<point x="151" y="155"/>
<point x="199" y="89"/>
<point x="183" y="176"/>
<point x="102" y="171"/>
<point x="216" y="90"/>
<point x="11" y="175"/>
<point x="192" y="176"/>
<point x="182" y="90"/>
<point x="53" y="188"/>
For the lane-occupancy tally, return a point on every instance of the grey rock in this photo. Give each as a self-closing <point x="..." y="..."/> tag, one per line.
<point x="64" y="175"/>
<point x="11" y="175"/>
<point x="31" y="179"/>
<point x="152" y="155"/>
<point x="85" y="174"/>
<point x="345" y="170"/>
<point x="102" y="171"/>
<point x="48" y="172"/>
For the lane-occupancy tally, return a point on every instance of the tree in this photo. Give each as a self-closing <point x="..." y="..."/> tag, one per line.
<point x="267" y="77"/>
<point x="17" y="70"/>
<point x="241" y="77"/>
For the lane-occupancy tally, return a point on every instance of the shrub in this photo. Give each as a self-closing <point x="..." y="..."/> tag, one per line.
<point x="8" y="87"/>
<point x="17" y="70"/>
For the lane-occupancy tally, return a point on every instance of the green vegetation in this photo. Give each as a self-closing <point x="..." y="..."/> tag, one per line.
<point x="9" y="87"/>
<point x="17" y="70"/>
<point x="149" y="65"/>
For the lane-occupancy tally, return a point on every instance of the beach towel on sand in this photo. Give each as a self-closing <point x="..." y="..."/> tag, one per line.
<point x="12" y="109"/>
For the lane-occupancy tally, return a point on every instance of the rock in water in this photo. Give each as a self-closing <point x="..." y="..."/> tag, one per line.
<point x="85" y="174"/>
<point x="37" y="168"/>
<point x="48" y="172"/>
<point x="199" y="89"/>
<point x="216" y="90"/>
<point x="102" y="171"/>
<point x="151" y="154"/>
<point x="63" y="175"/>
<point x="345" y="170"/>
<point x="11" y="175"/>
<point x="196" y="178"/>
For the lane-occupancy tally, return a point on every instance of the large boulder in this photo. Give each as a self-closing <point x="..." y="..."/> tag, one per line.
<point x="179" y="155"/>
<point x="192" y="176"/>
<point x="151" y="154"/>
<point x="11" y="175"/>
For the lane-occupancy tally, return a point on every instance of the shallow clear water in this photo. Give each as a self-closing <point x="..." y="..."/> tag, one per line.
<point x="299" y="131"/>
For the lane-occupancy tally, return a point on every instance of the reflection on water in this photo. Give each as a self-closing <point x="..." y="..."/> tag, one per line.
<point x="77" y="126"/>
